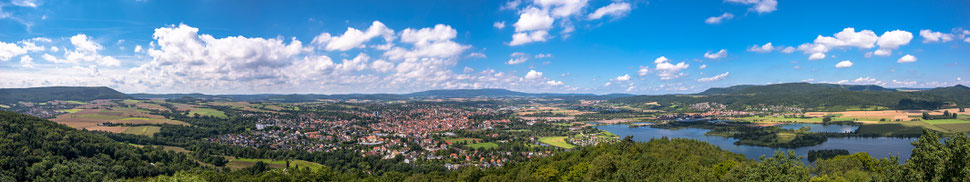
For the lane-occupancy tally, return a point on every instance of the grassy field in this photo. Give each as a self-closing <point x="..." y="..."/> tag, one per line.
<point x="76" y="102"/>
<point x="463" y="140"/>
<point x="487" y="145"/>
<point x="946" y="121"/>
<point x="208" y="112"/>
<point x="4" y="106"/>
<point x="238" y="163"/>
<point x="142" y="130"/>
<point x="70" y="110"/>
<point x="889" y="129"/>
<point x="557" y="141"/>
<point x="956" y="127"/>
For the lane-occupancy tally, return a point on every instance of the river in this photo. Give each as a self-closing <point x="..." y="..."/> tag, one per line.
<point x="880" y="147"/>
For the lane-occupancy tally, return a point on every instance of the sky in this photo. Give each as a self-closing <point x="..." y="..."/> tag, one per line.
<point x="548" y="46"/>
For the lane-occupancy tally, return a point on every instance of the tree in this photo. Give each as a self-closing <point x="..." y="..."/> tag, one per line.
<point x="826" y="119"/>
<point x="926" y="116"/>
<point x="962" y="110"/>
<point x="929" y="158"/>
<point x="946" y="113"/>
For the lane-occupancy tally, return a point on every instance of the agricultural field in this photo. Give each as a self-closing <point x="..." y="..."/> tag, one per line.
<point x="142" y="130"/>
<point x="462" y="141"/>
<point x="486" y="145"/>
<point x="90" y="116"/>
<point x="557" y="141"/>
<point x="207" y="112"/>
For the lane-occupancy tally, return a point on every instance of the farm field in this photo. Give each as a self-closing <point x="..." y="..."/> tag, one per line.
<point x="90" y="116"/>
<point x="207" y="112"/>
<point x="486" y="145"/>
<point x="142" y="130"/>
<point x="462" y="141"/>
<point x="557" y="141"/>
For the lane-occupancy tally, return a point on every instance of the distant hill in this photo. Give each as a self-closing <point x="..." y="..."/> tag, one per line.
<point x="453" y="93"/>
<point x="44" y="94"/>
<point x="830" y="97"/>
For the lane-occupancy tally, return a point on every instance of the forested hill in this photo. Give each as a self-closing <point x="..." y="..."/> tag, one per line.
<point x="34" y="149"/>
<point x="44" y="94"/>
<point x="453" y="93"/>
<point x="825" y="97"/>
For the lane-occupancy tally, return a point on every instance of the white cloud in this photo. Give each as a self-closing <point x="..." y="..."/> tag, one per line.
<point x="719" y="19"/>
<point x="844" y="64"/>
<point x="788" y="50"/>
<point x="554" y="83"/>
<point x="930" y="36"/>
<point x="616" y="9"/>
<point x="499" y="24"/>
<point x="533" y="74"/>
<point x="138" y="48"/>
<point x="10" y="50"/>
<point x="528" y="37"/>
<point x="625" y="77"/>
<point x="760" y="6"/>
<point x="83" y="43"/>
<point x="714" y="78"/>
<point x="816" y="56"/>
<point x="702" y="66"/>
<point x="644" y="70"/>
<point x="540" y="56"/>
<point x="762" y="49"/>
<point x="476" y="55"/>
<point x="907" y="59"/>
<point x="353" y="38"/>
<point x="533" y="18"/>
<point x="666" y="70"/>
<point x="894" y="39"/>
<point x="719" y="54"/>
<point x="25" y="3"/>
<point x="517" y="58"/>
<point x="848" y="37"/>
<point x="428" y="42"/>
<point x="26" y="61"/>
<point x="382" y="66"/>
<point x="882" y="52"/>
<point x="862" y="81"/>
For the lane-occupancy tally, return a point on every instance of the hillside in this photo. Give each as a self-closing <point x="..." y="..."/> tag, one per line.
<point x="44" y="94"/>
<point x="32" y="148"/>
<point x="454" y="93"/>
<point x="822" y="97"/>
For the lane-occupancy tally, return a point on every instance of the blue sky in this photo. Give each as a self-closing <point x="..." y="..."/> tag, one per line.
<point x="583" y="46"/>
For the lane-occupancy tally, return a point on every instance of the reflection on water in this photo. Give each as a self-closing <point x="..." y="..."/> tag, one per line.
<point x="880" y="147"/>
<point x="822" y="128"/>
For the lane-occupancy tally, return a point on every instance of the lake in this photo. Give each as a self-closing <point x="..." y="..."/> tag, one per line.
<point x="880" y="147"/>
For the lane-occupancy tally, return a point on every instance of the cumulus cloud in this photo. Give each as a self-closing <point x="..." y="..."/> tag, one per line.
<point x="907" y="59"/>
<point x="719" y="54"/>
<point x="930" y="36"/>
<point x="616" y="9"/>
<point x="533" y="74"/>
<point x="702" y="66"/>
<point x="882" y="52"/>
<point x="533" y="18"/>
<point x="762" y="49"/>
<point x="353" y="38"/>
<point x="10" y="50"/>
<point x="528" y="37"/>
<point x="554" y="83"/>
<point x="644" y="70"/>
<point x="894" y="39"/>
<point x="138" y="48"/>
<point x="844" y="64"/>
<point x="540" y="56"/>
<point x="816" y="56"/>
<point x="719" y="19"/>
<point x="760" y="6"/>
<point x="625" y="77"/>
<point x="428" y="42"/>
<point x="714" y="78"/>
<point x="848" y="37"/>
<point x="499" y="24"/>
<point x="788" y="50"/>
<point x="517" y="58"/>
<point x="26" y="61"/>
<point x="668" y="71"/>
